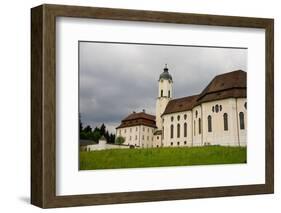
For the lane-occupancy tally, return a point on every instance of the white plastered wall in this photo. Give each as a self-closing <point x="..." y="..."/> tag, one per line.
<point x="140" y="135"/>
<point x="167" y="140"/>
<point x="234" y="136"/>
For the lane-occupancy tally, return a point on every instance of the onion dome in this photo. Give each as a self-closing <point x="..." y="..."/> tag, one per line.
<point x="165" y="74"/>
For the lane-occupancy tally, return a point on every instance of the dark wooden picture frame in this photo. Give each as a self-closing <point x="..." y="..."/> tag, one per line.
<point x="43" y="105"/>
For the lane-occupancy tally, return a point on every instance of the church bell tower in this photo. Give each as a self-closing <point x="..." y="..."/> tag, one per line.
<point x="165" y="94"/>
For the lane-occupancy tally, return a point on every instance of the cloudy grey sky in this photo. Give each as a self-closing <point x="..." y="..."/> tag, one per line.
<point x="116" y="79"/>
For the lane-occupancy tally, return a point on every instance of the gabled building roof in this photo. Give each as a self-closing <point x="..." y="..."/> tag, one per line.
<point x="180" y="104"/>
<point x="136" y="119"/>
<point x="227" y="85"/>
<point x="139" y="115"/>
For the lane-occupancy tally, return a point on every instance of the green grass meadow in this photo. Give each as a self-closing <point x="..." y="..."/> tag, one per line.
<point x="160" y="157"/>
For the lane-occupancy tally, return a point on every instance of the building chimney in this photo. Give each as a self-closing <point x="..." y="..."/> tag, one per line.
<point x="134" y="112"/>
<point x="143" y="110"/>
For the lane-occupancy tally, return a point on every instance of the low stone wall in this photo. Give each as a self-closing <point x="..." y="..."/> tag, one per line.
<point x="94" y="147"/>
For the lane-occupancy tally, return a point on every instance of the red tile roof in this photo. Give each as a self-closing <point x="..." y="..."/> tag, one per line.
<point x="227" y="85"/>
<point x="180" y="104"/>
<point x="136" y="119"/>
<point x="138" y="115"/>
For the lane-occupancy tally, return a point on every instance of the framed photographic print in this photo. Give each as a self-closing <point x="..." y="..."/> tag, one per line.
<point x="137" y="106"/>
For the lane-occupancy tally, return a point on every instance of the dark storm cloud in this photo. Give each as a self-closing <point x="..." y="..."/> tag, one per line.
<point x="116" y="79"/>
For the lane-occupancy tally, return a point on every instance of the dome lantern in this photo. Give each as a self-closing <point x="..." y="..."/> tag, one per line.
<point x="165" y="74"/>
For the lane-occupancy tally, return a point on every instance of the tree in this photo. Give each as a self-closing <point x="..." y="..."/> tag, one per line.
<point x="102" y="129"/>
<point x="95" y="134"/>
<point x="87" y="129"/>
<point x="120" y="140"/>
<point x="106" y="135"/>
<point x="112" y="138"/>
<point x="80" y="123"/>
<point x="83" y="135"/>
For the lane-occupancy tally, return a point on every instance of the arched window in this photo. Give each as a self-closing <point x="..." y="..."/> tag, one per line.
<point x="241" y="118"/>
<point x="163" y="132"/>
<point x="194" y="128"/>
<point x="161" y="93"/>
<point x="178" y="130"/>
<point x="217" y="108"/>
<point x="169" y="94"/>
<point x="199" y="126"/>
<point x="209" y="123"/>
<point x="172" y="131"/>
<point x="185" y="129"/>
<point x="225" y="121"/>
<point x="179" y="117"/>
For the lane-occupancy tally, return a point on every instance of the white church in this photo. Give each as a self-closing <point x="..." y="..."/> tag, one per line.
<point x="216" y="116"/>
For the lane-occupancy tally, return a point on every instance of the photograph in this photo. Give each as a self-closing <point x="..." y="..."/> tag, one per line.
<point x="160" y="105"/>
<point x="140" y="105"/>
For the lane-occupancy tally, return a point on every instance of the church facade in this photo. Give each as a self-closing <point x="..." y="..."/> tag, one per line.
<point x="216" y="116"/>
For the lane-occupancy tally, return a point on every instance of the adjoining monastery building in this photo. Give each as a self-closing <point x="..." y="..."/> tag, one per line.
<point x="216" y="116"/>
